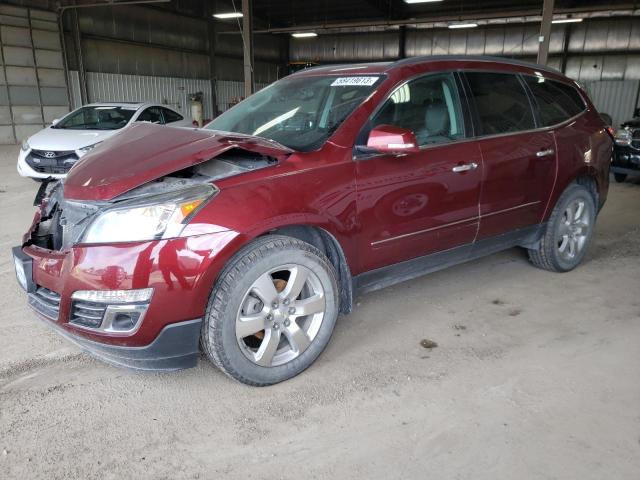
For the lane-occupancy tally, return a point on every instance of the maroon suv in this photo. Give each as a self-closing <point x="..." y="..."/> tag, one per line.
<point x="246" y="239"/>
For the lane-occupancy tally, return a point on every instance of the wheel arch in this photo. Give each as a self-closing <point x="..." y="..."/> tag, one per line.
<point x="587" y="177"/>
<point x="327" y="243"/>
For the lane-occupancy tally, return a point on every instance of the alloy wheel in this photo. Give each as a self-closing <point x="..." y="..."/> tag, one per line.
<point x="573" y="229"/>
<point x="280" y="315"/>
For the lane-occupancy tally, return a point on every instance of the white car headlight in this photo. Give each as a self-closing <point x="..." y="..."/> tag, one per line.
<point x="149" y="218"/>
<point x="623" y="137"/>
<point x="84" y="150"/>
<point x="25" y="146"/>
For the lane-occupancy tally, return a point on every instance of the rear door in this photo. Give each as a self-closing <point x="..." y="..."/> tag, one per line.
<point x="419" y="203"/>
<point x="519" y="160"/>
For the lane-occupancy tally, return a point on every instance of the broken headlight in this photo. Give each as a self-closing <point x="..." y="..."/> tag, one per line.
<point x="148" y="218"/>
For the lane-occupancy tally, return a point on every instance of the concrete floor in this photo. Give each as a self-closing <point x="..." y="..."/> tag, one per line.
<point x="536" y="376"/>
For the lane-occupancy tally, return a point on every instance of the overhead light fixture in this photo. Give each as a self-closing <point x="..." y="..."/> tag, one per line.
<point x="304" y="34"/>
<point x="463" y="25"/>
<point x="225" y="16"/>
<point x="567" y="20"/>
<point x="421" y="1"/>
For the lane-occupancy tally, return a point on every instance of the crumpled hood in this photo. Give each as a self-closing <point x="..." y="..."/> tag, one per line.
<point x="63" y="140"/>
<point x="145" y="152"/>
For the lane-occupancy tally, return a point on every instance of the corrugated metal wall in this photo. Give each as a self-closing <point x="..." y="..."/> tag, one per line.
<point x="32" y="82"/>
<point x="138" y="40"/>
<point x="109" y="87"/>
<point x="227" y="92"/>
<point x="617" y="98"/>
<point x="596" y="49"/>
<point x="115" y="87"/>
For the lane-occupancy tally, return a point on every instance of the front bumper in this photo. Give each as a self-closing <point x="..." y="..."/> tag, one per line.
<point x="25" y="170"/>
<point x="181" y="272"/>
<point x="175" y="348"/>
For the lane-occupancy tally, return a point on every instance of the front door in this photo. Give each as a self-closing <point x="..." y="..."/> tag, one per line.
<point x="420" y="203"/>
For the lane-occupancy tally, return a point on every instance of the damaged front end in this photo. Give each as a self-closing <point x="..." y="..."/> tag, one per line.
<point x="153" y="211"/>
<point x="114" y="256"/>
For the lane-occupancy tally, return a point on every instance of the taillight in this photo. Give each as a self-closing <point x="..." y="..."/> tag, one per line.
<point x="612" y="132"/>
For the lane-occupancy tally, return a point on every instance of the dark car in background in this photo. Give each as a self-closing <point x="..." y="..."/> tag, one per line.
<point x="249" y="237"/>
<point x="626" y="153"/>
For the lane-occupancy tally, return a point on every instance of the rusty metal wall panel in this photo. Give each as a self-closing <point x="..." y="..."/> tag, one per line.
<point x="617" y="98"/>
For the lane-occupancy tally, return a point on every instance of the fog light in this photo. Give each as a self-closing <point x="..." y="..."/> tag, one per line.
<point x="113" y="311"/>
<point x="125" y="321"/>
<point x="114" y="296"/>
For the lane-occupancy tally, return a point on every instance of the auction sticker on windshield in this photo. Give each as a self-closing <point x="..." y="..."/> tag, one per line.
<point x="361" y="81"/>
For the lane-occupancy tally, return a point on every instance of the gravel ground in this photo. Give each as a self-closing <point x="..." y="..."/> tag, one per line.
<point x="535" y="376"/>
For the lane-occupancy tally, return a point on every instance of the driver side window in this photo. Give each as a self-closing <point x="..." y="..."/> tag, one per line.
<point x="429" y="106"/>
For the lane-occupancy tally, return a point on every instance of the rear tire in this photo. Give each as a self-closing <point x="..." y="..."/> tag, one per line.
<point x="271" y="312"/>
<point x="568" y="231"/>
<point x="620" y="177"/>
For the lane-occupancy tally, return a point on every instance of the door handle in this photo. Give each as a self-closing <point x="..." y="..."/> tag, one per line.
<point x="545" y="153"/>
<point x="465" y="167"/>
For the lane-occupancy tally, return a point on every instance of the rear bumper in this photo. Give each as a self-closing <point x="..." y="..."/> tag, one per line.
<point x="175" y="348"/>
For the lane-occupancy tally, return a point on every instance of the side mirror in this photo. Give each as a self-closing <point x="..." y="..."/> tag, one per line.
<point x="55" y="121"/>
<point x="392" y="140"/>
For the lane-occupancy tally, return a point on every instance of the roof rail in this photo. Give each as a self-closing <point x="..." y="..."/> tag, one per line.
<point x="478" y="58"/>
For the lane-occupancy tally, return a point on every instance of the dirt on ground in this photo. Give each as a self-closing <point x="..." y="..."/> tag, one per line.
<point x="488" y="370"/>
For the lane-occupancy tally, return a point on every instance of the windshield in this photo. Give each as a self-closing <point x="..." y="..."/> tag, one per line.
<point x="298" y="112"/>
<point x="97" y="118"/>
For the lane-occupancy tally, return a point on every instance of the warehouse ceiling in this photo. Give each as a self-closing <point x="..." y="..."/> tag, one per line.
<point x="289" y="12"/>
<point x="271" y="15"/>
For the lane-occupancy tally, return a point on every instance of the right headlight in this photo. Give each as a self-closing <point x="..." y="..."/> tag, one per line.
<point x="623" y="137"/>
<point x="149" y="218"/>
<point x="25" y="146"/>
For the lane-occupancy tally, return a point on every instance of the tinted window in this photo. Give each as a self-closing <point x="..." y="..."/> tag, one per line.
<point x="556" y="101"/>
<point x="171" y="116"/>
<point x="429" y="106"/>
<point x="502" y="103"/>
<point x="151" y="114"/>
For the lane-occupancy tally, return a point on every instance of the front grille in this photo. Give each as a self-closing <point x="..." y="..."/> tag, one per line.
<point x="43" y="161"/>
<point x="87" y="314"/>
<point x="46" y="302"/>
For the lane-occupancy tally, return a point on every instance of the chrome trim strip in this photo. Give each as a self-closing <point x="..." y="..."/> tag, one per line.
<point x="470" y="219"/>
<point x="426" y="230"/>
<point x="510" y="209"/>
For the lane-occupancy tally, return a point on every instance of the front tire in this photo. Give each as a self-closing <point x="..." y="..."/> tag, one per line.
<point x="568" y="231"/>
<point x="271" y="312"/>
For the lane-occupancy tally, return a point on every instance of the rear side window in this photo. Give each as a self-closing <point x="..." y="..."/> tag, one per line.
<point x="151" y="114"/>
<point x="556" y="101"/>
<point x="170" y="116"/>
<point x="501" y="101"/>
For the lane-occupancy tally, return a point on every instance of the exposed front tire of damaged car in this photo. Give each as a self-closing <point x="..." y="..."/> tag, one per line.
<point x="271" y="312"/>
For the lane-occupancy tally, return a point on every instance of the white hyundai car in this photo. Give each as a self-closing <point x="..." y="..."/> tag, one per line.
<point x="54" y="150"/>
